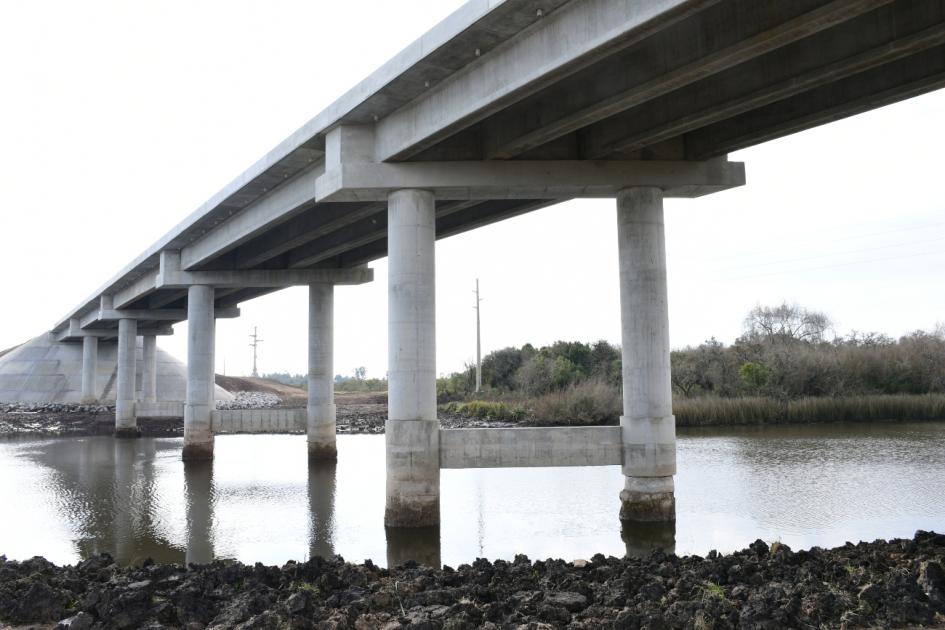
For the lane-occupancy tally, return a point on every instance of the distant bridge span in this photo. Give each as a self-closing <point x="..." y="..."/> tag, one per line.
<point x="505" y="107"/>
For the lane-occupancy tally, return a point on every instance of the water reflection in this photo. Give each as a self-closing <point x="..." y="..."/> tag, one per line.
<point x="321" y="508"/>
<point x="642" y="539"/>
<point x="259" y="500"/>
<point x="420" y="544"/>
<point x="199" y="495"/>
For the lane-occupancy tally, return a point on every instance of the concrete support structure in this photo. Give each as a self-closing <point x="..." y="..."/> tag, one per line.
<point x="648" y="427"/>
<point x="412" y="431"/>
<point x="126" y="425"/>
<point x="149" y="368"/>
<point x="89" y="369"/>
<point x="321" y="387"/>
<point x="198" y="408"/>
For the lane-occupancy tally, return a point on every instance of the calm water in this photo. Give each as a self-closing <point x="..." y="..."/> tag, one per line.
<point x="259" y="500"/>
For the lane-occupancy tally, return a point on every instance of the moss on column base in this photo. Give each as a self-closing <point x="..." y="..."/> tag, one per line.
<point x="647" y="507"/>
<point x="128" y="432"/>
<point x="416" y="513"/>
<point x="198" y="451"/>
<point x="321" y="452"/>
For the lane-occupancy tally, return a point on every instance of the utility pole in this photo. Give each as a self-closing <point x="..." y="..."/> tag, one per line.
<point x="478" y="342"/>
<point x="256" y="342"/>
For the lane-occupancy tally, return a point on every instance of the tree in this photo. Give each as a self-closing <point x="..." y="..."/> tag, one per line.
<point x="787" y="322"/>
<point x="360" y="373"/>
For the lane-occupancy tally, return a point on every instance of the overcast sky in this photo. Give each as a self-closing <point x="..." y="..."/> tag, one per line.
<point x="117" y="119"/>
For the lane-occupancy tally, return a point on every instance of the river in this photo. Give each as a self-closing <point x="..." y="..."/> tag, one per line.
<point x="818" y="485"/>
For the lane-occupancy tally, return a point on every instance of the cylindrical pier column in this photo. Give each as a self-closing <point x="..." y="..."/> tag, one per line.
<point x="126" y="425"/>
<point x="149" y="368"/>
<point x="412" y="430"/>
<point x="198" y="408"/>
<point x="89" y="369"/>
<point x="321" y="386"/>
<point x="648" y="425"/>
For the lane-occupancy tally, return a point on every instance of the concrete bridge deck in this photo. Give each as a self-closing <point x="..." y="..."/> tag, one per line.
<point x="505" y="107"/>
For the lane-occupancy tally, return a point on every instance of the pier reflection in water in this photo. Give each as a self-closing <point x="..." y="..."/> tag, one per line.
<point x="259" y="501"/>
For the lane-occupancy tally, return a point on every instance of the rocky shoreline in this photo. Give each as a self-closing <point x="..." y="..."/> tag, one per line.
<point x="61" y="420"/>
<point x="900" y="583"/>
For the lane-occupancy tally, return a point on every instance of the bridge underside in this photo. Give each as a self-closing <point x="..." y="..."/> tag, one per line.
<point x="506" y="107"/>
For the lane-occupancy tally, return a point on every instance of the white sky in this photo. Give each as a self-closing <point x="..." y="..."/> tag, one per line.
<point x="117" y="119"/>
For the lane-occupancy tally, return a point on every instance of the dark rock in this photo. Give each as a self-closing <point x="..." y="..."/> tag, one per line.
<point x="82" y="621"/>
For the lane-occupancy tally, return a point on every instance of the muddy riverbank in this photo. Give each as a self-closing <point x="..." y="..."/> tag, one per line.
<point x="900" y="583"/>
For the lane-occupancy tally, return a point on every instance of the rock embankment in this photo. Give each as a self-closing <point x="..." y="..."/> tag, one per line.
<point x="250" y="400"/>
<point x="898" y="583"/>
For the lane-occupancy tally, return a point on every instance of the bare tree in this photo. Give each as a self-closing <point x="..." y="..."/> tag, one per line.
<point x="787" y="322"/>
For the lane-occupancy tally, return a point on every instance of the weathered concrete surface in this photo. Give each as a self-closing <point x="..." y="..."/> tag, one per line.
<point x="648" y="428"/>
<point x="148" y="369"/>
<point x="413" y="461"/>
<point x="125" y="425"/>
<point x="201" y="340"/>
<point x="539" y="446"/>
<point x="321" y="383"/>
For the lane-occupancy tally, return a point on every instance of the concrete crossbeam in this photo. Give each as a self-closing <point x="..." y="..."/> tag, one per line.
<point x="156" y="315"/>
<point x="562" y="179"/>
<point x="525" y="447"/>
<point x="264" y="278"/>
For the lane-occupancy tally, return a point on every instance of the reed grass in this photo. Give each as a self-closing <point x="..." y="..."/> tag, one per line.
<point x="711" y="411"/>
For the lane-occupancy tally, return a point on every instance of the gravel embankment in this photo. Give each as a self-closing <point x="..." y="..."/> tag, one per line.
<point x="891" y="584"/>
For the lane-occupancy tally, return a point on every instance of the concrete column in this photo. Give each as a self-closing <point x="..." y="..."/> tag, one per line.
<point x="89" y="369"/>
<point x="149" y="369"/>
<point x="648" y="425"/>
<point x="321" y="385"/>
<point x="126" y="425"/>
<point x="412" y="431"/>
<point x="199" y="404"/>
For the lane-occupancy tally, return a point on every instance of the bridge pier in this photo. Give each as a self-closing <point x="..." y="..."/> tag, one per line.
<point x="199" y="404"/>
<point x="89" y="369"/>
<point x="149" y="368"/>
<point x="648" y="427"/>
<point x="321" y="388"/>
<point x="412" y="430"/>
<point x="126" y="424"/>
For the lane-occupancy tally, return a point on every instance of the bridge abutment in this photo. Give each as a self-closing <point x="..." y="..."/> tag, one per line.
<point x="412" y="430"/>
<point x="648" y="428"/>
<point x="321" y="388"/>
<point x="126" y="424"/>
<point x="199" y="404"/>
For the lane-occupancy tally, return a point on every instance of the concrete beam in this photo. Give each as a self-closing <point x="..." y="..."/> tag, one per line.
<point x="826" y="58"/>
<point x="278" y="205"/>
<point x="684" y="58"/>
<point x="521" y="179"/>
<point x="522" y="447"/>
<point x="887" y="84"/>
<point x="316" y="223"/>
<point x="564" y="42"/>
<point x="74" y="332"/>
<point x="143" y="286"/>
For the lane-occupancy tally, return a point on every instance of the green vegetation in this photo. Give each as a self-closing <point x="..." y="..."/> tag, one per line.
<point x="783" y="369"/>
<point x="293" y="380"/>
<point x="359" y="382"/>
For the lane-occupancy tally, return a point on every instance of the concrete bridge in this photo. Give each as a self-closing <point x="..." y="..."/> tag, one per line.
<point x="505" y="107"/>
